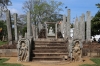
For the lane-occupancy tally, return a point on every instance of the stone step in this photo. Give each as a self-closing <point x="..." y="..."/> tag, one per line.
<point x="47" y="59"/>
<point x="48" y="46"/>
<point x="55" y="47"/>
<point x="48" y="54"/>
<point x="49" y="39"/>
<point x="60" y="43"/>
<point x="45" y="45"/>
<point x="50" y="50"/>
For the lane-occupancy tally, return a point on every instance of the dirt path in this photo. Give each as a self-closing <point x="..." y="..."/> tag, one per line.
<point x="36" y="63"/>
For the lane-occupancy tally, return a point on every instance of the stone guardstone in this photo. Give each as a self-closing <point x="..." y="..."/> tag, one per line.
<point x="23" y="48"/>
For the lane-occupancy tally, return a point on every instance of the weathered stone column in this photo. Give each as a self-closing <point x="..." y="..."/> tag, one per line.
<point x="36" y="32"/>
<point x="64" y="27"/>
<point x="76" y="30"/>
<point x="83" y="27"/>
<point x="56" y="30"/>
<point x="80" y="28"/>
<point x="33" y="31"/>
<point x="9" y="26"/>
<point x="88" y="26"/>
<point x="28" y="25"/>
<point x="25" y="35"/>
<point x="39" y="26"/>
<point x="61" y="27"/>
<point x="68" y="23"/>
<point x="46" y="30"/>
<point x="15" y="26"/>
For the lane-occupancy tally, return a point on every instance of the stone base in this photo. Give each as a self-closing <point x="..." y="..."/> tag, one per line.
<point x="51" y="37"/>
<point x="8" y="53"/>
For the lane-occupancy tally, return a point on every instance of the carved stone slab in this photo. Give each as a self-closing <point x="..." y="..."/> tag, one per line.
<point x="23" y="49"/>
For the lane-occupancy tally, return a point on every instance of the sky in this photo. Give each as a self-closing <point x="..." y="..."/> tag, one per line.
<point x="77" y="7"/>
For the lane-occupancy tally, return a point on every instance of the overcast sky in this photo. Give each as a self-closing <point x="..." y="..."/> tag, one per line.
<point x="77" y="7"/>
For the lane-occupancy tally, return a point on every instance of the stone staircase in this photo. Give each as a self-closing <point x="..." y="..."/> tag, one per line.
<point x="49" y="50"/>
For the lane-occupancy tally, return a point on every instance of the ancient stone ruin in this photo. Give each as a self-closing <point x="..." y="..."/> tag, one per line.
<point x="43" y="43"/>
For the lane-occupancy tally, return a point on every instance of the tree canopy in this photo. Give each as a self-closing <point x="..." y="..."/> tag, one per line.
<point x="98" y="5"/>
<point x="3" y="5"/>
<point x="42" y="10"/>
<point x="95" y="23"/>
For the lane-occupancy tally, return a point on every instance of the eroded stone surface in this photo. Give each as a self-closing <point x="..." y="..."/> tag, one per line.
<point x="77" y="50"/>
<point x="23" y="49"/>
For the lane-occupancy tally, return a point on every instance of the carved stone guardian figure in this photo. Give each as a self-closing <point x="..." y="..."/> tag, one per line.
<point x="23" y="49"/>
<point x="77" y="50"/>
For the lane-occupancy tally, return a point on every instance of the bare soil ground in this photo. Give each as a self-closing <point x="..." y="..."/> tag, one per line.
<point x="48" y="63"/>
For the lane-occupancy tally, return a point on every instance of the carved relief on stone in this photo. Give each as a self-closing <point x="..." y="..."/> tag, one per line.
<point x="77" y="51"/>
<point x="23" y="49"/>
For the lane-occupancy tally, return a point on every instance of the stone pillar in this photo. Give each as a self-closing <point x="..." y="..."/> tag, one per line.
<point x="88" y="26"/>
<point x="20" y="37"/>
<point x="56" y="30"/>
<point x="40" y="26"/>
<point x="61" y="27"/>
<point x="68" y="23"/>
<point x="83" y="27"/>
<point x="15" y="26"/>
<point x="36" y="32"/>
<point x="46" y="30"/>
<point x="76" y="30"/>
<point x="33" y="31"/>
<point x="64" y="27"/>
<point x="25" y="35"/>
<point x="80" y="28"/>
<point x="28" y="25"/>
<point x="9" y="26"/>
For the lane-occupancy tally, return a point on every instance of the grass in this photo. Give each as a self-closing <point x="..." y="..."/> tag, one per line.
<point x="95" y="60"/>
<point x="7" y="64"/>
<point x="2" y="42"/>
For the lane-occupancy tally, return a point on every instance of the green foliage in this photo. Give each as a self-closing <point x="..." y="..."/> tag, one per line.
<point x="89" y="65"/>
<point x="2" y="42"/>
<point x="24" y="30"/>
<point x="95" y="24"/>
<point x="4" y="29"/>
<point x="98" y="5"/>
<point x="95" y="60"/>
<point x="7" y="64"/>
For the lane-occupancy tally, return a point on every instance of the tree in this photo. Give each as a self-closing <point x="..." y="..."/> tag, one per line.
<point x="4" y="29"/>
<point x="41" y="10"/>
<point x="98" y="5"/>
<point x="95" y="22"/>
<point x="3" y="5"/>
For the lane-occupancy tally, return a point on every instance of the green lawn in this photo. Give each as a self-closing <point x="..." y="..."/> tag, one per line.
<point x="1" y="42"/>
<point x="95" y="60"/>
<point x="7" y="64"/>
